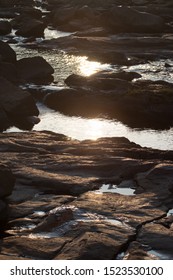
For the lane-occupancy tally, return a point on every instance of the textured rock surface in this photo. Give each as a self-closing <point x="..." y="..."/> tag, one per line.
<point x="58" y="209"/>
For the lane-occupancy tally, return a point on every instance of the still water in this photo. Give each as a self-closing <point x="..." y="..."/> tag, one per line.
<point x="82" y="128"/>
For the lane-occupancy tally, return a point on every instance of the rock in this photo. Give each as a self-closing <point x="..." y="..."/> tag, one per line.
<point x="126" y="19"/>
<point x="98" y="81"/>
<point x="31" y="27"/>
<point x="3" y="213"/>
<point x="4" y="121"/>
<point x="35" y="69"/>
<point x="78" y="103"/>
<point x="138" y="252"/>
<point x="8" y="71"/>
<point x="7" y="13"/>
<point x="158" y="239"/>
<point x="54" y="220"/>
<point x="63" y="16"/>
<point x="32" y="249"/>
<point x="5" y="27"/>
<point x="17" y="104"/>
<point x="44" y="224"/>
<point x="159" y="179"/>
<point x="100" y="242"/>
<point x="7" y="54"/>
<point x="139" y="104"/>
<point x="7" y="181"/>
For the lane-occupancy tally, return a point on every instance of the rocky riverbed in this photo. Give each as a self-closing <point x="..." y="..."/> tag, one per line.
<point x="62" y="198"/>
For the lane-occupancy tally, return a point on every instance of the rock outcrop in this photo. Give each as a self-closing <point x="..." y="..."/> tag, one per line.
<point x="86" y="200"/>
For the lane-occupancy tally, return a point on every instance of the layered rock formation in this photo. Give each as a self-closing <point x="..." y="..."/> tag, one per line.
<point x="103" y="199"/>
<point x="86" y="200"/>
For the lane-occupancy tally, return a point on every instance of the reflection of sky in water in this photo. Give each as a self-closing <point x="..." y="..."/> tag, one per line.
<point x="108" y="188"/>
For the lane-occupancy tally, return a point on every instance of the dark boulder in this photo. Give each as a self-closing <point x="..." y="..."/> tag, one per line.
<point x="12" y="3"/>
<point x="63" y="15"/>
<point x="7" y="181"/>
<point x="79" y="102"/>
<point x="35" y="69"/>
<point x="8" y="71"/>
<point x="5" y="27"/>
<point x="7" y="54"/>
<point x="3" y="214"/>
<point x="17" y="104"/>
<point x="98" y="81"/>
<point x="4" y="121"/>
<point x="31" y="27"/>
<point x="126" y="19"/>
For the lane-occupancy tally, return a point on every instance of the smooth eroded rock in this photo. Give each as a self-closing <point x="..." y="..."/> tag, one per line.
<point x="35" y="69"/>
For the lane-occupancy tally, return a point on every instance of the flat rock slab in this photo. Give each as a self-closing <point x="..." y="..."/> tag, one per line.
<point x="70" y="199"/>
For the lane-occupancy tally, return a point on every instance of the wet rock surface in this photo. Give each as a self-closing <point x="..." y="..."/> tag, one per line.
<point x="71" y="199"/>
<point x="58" y="209"/>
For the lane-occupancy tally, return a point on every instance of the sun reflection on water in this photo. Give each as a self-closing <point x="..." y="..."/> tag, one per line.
<point x="84" y="67"/>
<point x="87" y="68"/>
<point x="95" y="129"/>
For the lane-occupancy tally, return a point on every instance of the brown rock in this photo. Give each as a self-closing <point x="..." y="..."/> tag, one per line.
<point x="35" y="69"/>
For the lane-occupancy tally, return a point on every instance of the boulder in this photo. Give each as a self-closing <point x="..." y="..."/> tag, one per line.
<point x="7" y="13"/>
<point x="11" y="3"/>
<point x="31" y="27"/>
<point x="7" y="181"/>
<point x="5" y="27"/>
<point x="35" y="69"/>
<point x="126" y="19"/>
<point x="3" y="213"/>
<point x="7" y="54"/>
<point x="98" y="81"/>
<point x="4" y="121"/>
<point x="17" y="104"/>
<point x="80" y="102"/>
<point x="63" y="16"/>
<point x="8" y="71"/>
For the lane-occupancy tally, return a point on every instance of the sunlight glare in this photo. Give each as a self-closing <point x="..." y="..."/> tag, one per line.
<point x="95" y="129"/>
<point x="88" y="68"/>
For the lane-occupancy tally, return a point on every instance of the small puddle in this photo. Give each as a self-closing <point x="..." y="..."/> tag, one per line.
<point x="160" y="255"/>
<point x="120" y="189"/>
<point x="170" y="212"/>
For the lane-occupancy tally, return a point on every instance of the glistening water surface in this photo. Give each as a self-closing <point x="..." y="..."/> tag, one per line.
<point x="82" y="128"/>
